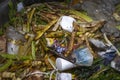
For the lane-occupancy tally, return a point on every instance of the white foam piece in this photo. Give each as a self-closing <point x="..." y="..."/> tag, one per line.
<point x="63" y="64"/>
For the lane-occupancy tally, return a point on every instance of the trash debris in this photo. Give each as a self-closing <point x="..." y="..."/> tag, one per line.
<point x="82" y="57"/>
<point x="98" y="45"/>
<point x="64" y="76"/>
<point x="51" y="41"/>
<point x="63" y="64"/>
<point x="20" y="6"/>
<point x="14" y="39"/>
<point x="106" y="51"/>
<point x="67" y="23"/>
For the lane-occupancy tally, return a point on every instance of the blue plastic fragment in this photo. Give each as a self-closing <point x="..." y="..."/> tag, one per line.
<point x="109" y="55"/>
<point x="60" y="49"/>
<point x="83" y="57"/>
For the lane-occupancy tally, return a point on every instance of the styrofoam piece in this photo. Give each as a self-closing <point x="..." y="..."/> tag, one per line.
<point x="63" y="64"/>
<point x="67" y="23"/>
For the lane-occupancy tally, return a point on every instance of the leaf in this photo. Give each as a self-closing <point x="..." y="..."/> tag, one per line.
<point x="8" y="56"/>
<point x="26" y="58"/>
<point x="81" y="15"/>
<point x="110" y="43"/>
<point x="6" y="65"/>
<point x="11" y="56"/>
<point x="30" y="16"/>
<point x="40" y="33"/>
<point x="90" y="49"/>
<point x="12" y="10"/>
<point x="33" y="50"/>
<point x="71" y="43"/>
<point x="55" y="34"/>
<point x="27" y="46"/>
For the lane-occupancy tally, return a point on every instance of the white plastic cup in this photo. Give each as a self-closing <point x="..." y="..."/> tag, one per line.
<point x="63" y="64"/>
<point x="64" y="76"/>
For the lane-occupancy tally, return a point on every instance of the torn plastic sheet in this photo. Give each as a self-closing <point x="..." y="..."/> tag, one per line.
<point x="108" y="56"/>
<point x="97" y="44"/>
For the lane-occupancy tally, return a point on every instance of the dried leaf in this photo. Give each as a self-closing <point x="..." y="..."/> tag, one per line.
<point x="40" y="33"/>
<point x="2" y="44"/>
<point x="8" y="56"/>
<point x="110" y="43"/>
<point x="30" y="19"/>
<point x="55" y="34"/>
<point x="81" y="15"/>
<point x="71" y="43"/>
<point x="88" y="45"/>
<point x="27" y="46"/>
<point x="33" y="50"/>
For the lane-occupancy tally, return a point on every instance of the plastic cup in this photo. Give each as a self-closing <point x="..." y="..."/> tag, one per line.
<point x="64" y="76"/>
<point x="63" y="64"/>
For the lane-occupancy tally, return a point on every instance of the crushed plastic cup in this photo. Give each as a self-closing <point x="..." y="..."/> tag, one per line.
<point x="67" y="23"/>
<point x="63" y="64"/>
<point x="12" y="48"/>
<point x="14" y="39"/>
<point x="82" y="57"/>
<point x="64" y="76"/>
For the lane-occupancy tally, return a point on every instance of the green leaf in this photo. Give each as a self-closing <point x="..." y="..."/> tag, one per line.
<point x="6" y="65"/>
<point x="33" y="50"/>
<point x="11" y="56"/>
<point x="82" y="15"/>
<point x="26" y="58"/>
<point x="8" y="56"/>
<point x="12" y="11"/>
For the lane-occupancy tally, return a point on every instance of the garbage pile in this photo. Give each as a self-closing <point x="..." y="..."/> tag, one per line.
<point x="52" y="42"/>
